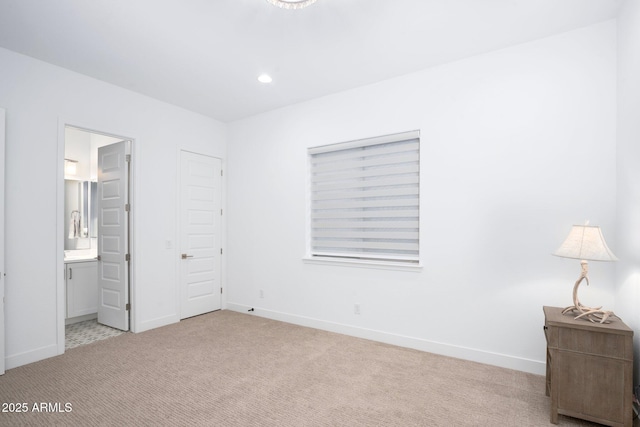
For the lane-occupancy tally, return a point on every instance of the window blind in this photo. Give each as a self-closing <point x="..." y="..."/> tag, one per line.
<point x="365" y="199"/>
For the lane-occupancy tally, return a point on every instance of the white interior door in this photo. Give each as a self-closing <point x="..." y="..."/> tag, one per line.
<point x="200" y="224"/>
<point x="113" y="235"/>
<point x="2" y="131"/>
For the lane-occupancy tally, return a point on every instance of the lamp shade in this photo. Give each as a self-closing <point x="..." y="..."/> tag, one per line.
<point x="585" y="242"/>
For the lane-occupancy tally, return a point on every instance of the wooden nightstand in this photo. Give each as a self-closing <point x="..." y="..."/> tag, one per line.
<point x="589" y="369"/>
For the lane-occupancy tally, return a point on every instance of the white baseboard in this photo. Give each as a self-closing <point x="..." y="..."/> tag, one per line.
<point x="31" y="356"/>
<point x="466" y="353"/>
<point x="155" y="323"/>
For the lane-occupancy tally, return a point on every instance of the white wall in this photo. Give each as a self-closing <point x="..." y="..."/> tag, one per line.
<point x="39" y="98"/>
<point x="628" y="197"/>
<point x="517" y="145"/>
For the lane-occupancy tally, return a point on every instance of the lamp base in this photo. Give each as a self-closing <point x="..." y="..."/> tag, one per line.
<point x="592" y="314"/>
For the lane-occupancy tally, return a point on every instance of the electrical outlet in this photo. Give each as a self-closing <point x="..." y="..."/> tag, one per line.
<point x="261" y="293"/>
<point x="356" y="309"/>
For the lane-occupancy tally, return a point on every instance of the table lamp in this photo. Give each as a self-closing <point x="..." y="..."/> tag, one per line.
<point x="586" y="243"/>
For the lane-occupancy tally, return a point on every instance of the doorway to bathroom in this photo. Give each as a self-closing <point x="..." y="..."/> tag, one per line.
<point x="97" y="230"/>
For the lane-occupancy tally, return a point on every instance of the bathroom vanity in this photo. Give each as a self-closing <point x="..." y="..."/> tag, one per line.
<point x="82" y="288"/>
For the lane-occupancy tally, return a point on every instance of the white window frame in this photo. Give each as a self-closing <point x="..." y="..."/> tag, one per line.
<point x="373" y="182"/>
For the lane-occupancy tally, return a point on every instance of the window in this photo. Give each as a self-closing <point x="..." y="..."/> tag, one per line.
<point x="365" y="199"/>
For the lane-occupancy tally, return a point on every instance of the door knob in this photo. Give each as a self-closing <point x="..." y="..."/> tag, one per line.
<point x="185" y="256"/>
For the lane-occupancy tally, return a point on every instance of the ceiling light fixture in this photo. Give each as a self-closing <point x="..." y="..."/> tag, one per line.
<point x="70" y="167"/>
<point x="292" y="4"/>
<point x="265" y="78"/>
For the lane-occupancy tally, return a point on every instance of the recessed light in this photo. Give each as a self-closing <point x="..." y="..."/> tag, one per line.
<point x="265" y="78"/>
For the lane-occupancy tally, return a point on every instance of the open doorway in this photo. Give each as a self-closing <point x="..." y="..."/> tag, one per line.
<point x="97" y="229"/>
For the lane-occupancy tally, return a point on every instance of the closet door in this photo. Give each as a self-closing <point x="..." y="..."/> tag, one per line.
<point x="200" y="230"/>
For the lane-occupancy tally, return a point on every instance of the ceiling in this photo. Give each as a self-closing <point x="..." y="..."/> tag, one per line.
<point x="206" y="55"/>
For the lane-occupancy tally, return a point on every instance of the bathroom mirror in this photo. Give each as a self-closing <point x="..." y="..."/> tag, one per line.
<point x="81" y="219"/>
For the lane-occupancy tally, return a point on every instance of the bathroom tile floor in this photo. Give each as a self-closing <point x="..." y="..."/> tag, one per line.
<point x="86" y="332"/>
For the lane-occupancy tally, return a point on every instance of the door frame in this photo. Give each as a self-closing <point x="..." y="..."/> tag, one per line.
<point x="133" y="187"/>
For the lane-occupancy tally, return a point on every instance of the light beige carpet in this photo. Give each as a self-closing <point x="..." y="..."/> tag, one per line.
<point x="232" y="369"/>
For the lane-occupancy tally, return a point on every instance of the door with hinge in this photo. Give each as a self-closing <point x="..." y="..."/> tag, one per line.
<point x="113" y="234"/>
<point x="2" y="277"/>
<point x="200" y="227"/>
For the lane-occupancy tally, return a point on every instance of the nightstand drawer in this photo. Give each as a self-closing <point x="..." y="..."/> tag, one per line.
<point x="595" y="343"/>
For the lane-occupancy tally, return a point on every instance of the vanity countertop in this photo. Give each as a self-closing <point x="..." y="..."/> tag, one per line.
<point x="79" y="256"/>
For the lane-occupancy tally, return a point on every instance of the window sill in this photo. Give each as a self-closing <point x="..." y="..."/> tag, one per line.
<point x="384" y="265"/>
